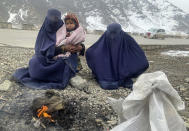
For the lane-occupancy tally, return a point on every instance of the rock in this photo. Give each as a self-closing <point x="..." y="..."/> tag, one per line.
<point x="187" y="99"/>
<point x="184" y="113"/>
<point x="182" y="88"/>
<point x="78" y="82"/>
<point x="112" y="122"/>
<point x="186" y="80"/>
<point x="186" y="94"/>
<point x="51" y="99"/>
<point x="186" y="124"/>
<point x="37" y="123"/>
<point x="5" y="85"/>
<point x="98" y="120"/>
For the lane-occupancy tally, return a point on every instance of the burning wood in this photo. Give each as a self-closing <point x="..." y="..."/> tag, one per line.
<point x="45" y="106"/>
<point x="43" y="113"/>
<point x="51" y="99"/>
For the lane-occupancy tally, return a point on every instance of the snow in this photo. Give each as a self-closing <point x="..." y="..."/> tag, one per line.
<point x="176" y="53"/>
<point x="12" y="17"/>
<point x="146" y="20"/>
<point x="63" y="15"/>
<point x="95" y="23"/>
<point x="133" y="19"/>
<point x="162" y="16"/>
<point x="23" y="13"/>
<point x="183" y="4"/>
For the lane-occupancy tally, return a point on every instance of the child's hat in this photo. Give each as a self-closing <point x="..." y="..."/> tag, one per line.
<point x="73" y="17"/>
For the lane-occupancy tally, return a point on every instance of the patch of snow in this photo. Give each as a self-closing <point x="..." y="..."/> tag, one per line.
<point x="12" y="17"/>
<point x="23" y="13"/>
<point x="63" y="16"/>
<point x="176" y="53"/>
<point x="95" y="23"/>
<point x="49" y="2"/>
<point x="116" y="11"/>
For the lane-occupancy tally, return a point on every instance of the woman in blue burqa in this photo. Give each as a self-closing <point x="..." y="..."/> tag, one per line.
<point x="45" y="72"/>
<point x="116" y="58"/>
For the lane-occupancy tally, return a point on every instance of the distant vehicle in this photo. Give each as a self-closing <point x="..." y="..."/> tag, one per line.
<point x="155" y="34"/>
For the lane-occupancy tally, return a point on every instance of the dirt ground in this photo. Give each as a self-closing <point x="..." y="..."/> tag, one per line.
<point x="85" y="109"/>
<point x="26" y="38"/>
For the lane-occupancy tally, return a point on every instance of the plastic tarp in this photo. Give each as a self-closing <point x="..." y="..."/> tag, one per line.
<point x="151" y="106"/>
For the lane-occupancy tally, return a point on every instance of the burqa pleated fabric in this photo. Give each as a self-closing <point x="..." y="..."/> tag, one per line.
<point x="116" y="58"/>
<point x="43" y="71"/>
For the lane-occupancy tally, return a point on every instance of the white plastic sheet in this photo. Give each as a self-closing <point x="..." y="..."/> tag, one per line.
<point x="151" y="106"/>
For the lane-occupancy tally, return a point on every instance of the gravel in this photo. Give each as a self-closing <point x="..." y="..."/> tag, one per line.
<point x="86" y="108"/>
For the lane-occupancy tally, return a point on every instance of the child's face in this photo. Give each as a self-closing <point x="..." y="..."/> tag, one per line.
<point x="70" y="24"/>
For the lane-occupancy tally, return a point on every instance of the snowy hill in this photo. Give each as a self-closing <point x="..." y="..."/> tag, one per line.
<point x="133" y="15"/>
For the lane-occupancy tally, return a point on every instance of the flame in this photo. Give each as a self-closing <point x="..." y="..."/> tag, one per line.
<point x="43" y="113"/>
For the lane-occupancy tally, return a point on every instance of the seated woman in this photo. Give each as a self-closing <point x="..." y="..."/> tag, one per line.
<point x="45" y="72"/>
<point x="116" y="58"/>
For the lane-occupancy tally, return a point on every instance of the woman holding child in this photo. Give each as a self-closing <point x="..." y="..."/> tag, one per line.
<point x="56" y="59"/>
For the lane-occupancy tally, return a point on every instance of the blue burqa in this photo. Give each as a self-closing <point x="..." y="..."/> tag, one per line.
<point x="43" y="71"/>
<point x="116" y="58"/>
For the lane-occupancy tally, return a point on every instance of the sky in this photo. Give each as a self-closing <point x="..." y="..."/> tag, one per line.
<point x="183" y="4"/>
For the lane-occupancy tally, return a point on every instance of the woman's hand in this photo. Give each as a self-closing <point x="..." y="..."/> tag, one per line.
<point x="66" y="47"/>
<point x="73" y="48"/>
<point x="76" y="48"/>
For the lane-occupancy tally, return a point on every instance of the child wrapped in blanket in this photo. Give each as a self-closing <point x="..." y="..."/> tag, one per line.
<point x="70" y="33"/>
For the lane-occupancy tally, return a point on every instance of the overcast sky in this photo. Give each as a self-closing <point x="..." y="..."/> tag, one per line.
<point x="183" y="4"/>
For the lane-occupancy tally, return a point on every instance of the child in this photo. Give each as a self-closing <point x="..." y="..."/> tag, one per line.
<point x="70" y="33"/>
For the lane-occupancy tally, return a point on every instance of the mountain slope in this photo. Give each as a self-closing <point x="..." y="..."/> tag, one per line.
<point x="133" y="15"/>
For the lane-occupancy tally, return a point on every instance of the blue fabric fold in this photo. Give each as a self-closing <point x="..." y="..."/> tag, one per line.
<point x="43" y="71"/>
<point x="116" y="58"/>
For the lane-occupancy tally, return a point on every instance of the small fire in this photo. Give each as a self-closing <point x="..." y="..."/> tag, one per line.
<point x="43" y="113"/>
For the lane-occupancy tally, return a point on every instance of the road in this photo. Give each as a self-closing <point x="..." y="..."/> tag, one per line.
<point x="25" y="38"/>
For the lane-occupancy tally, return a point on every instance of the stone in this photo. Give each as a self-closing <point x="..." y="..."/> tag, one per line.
<point x="112" y="122"/>
<point x="51" y="99"/>
<point x="37" y="123"/>
<point x="186" y="124"/>
<point x="187" y="99"/>
<point x="186" y="80"/>
<point x="5" y="85"/>
<point x="78" y="82"/>
<point x="182" y="88"/>
<point x="98" y="120"/>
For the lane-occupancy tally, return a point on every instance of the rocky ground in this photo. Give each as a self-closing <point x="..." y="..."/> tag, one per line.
<point x="86" y="106"/>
